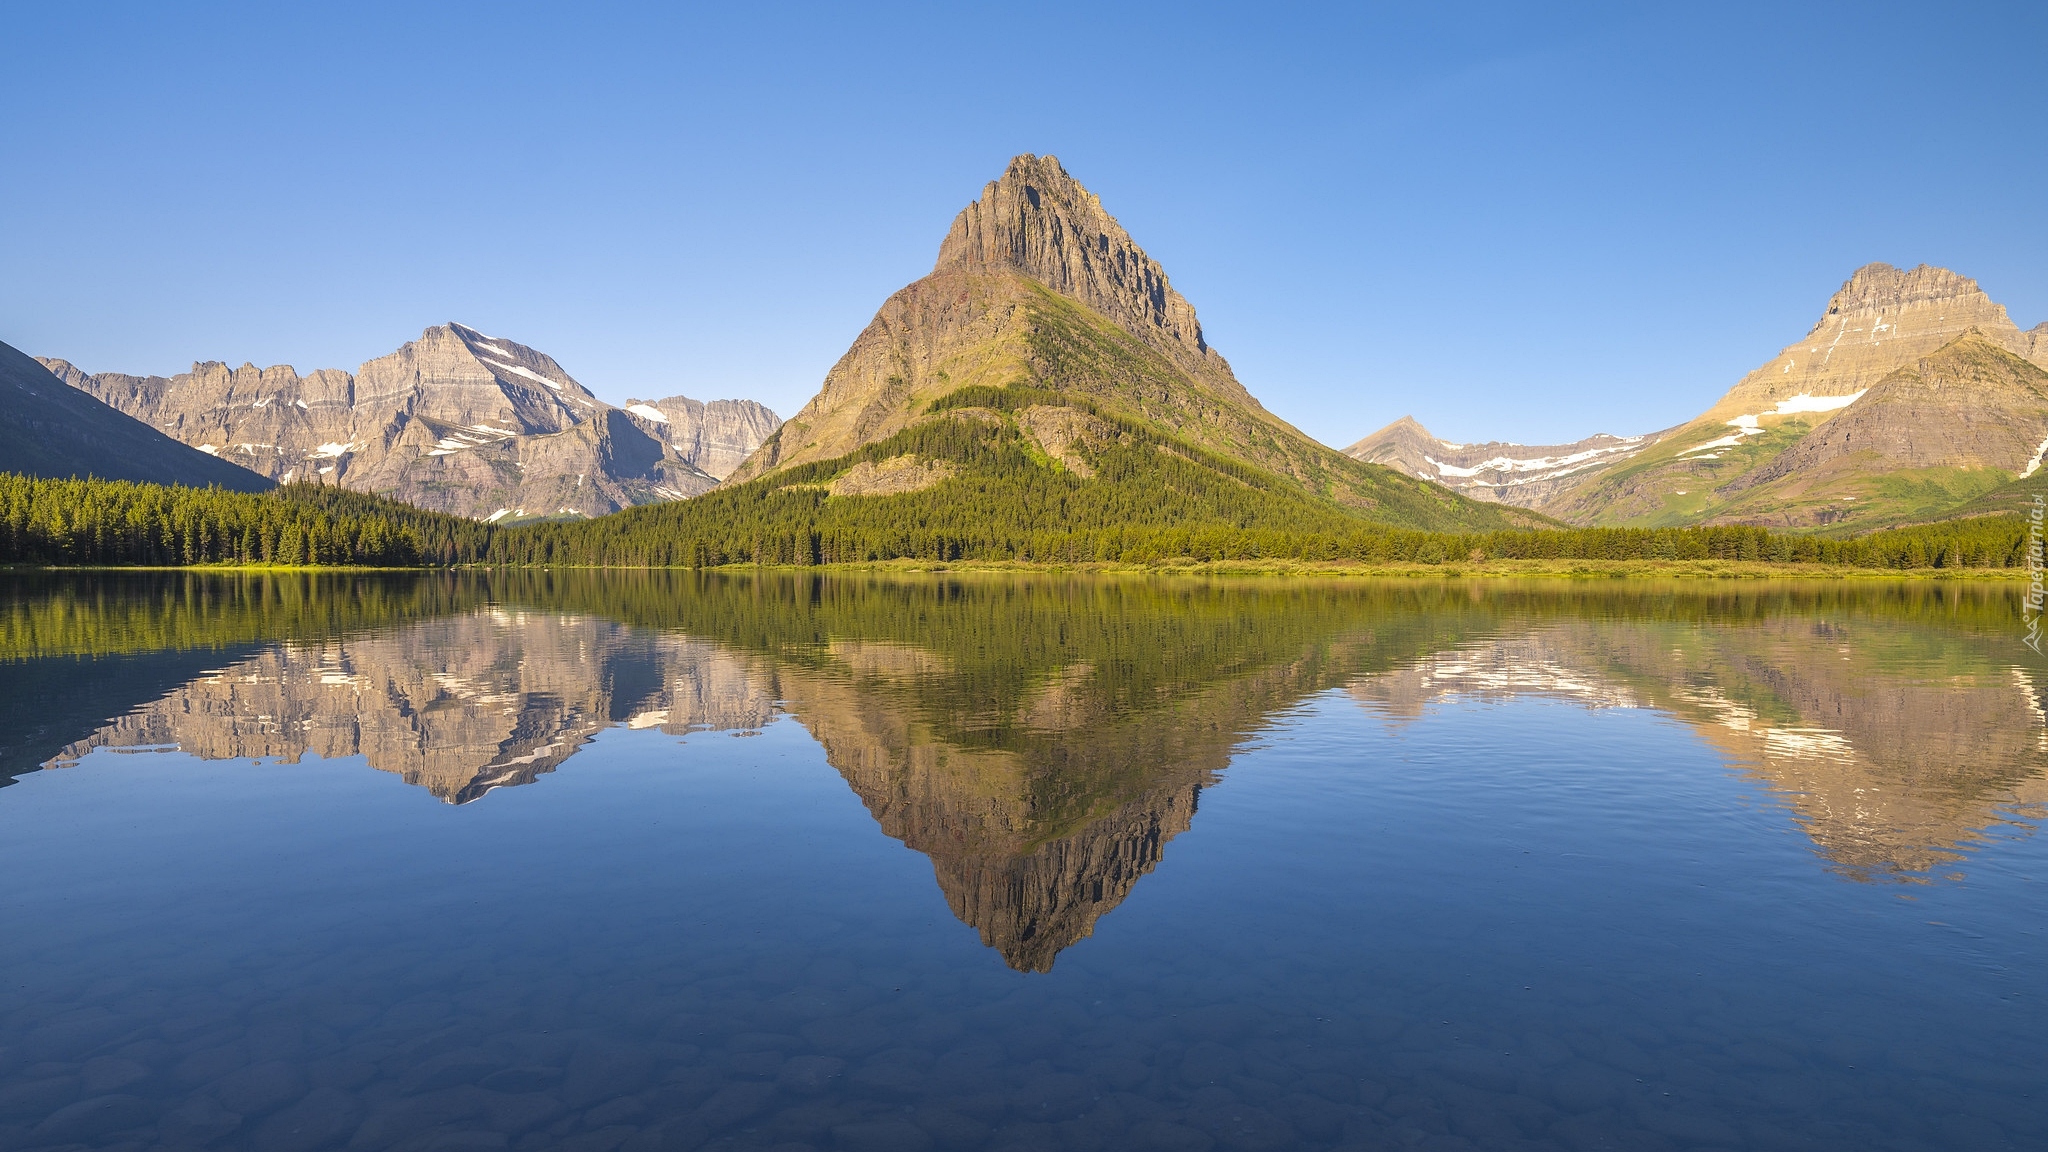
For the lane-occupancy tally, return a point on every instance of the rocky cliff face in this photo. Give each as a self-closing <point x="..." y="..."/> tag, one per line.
<point x="714" y="437"/>
<point x="1971" y="404"/>
<point x="456" y="421"/>
<point x="1040" y="221"/>
<point x="1521" y="474"/>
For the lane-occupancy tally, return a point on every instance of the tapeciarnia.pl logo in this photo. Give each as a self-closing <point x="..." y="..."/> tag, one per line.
<point x="2030" y="611"/>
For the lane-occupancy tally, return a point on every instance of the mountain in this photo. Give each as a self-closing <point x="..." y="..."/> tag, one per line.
<point x="48" y="429"/>
<point x="1733" y="463"/>
<point x="1928" y="386"/>
<point x="1519" y="474"/>
<point x="1044" y="321"/>
<point x="715" y="437"/>
<point x="455" y="421"/>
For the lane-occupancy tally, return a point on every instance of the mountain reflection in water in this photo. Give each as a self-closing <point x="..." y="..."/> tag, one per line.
<point x="1040" y="739"/>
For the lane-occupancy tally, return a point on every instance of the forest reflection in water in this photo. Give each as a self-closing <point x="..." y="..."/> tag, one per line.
<point x="1041" y="738"/>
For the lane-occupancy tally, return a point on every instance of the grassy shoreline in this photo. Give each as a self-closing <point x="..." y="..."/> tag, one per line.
<point x="1548" y="569"/>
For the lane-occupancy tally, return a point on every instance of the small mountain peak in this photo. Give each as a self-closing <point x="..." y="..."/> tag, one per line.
<point x="1041" y="221"/>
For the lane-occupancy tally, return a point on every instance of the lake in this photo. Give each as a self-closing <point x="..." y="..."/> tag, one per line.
<point x="674" y="861"/>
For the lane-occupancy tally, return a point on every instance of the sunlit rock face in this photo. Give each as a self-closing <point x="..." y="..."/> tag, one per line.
<point x="456" y="421"/>
<point x="458" y="706"/>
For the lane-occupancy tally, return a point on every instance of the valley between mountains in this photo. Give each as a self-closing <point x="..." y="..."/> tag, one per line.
<point x="1046" y="388"/>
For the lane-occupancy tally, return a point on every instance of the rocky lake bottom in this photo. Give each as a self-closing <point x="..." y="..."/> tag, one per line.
<point x="1031" y="862"/>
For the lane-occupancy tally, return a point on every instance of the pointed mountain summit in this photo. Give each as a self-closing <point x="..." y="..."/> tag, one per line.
<point x="1043" y="316"/>
<point x="1040" y="221"/>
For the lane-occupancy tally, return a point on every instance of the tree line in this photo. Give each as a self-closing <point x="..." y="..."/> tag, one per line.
<point x="121" y="523"/>
<point x="1144" y="506"/>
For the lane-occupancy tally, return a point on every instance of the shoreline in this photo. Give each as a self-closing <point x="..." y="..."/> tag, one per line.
<point x="1487" y="569"/>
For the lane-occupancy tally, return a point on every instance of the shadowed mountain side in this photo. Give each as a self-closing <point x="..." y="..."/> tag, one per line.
<point x="1894" y="749"/>
<point x="50" y="429"/>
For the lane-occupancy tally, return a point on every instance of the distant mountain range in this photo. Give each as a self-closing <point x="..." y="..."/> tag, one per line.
<point x="1914" y="397"/>
<point x="1046" y="377"/>
<point x="48" y="429"/>
<point x="455" y="421"/>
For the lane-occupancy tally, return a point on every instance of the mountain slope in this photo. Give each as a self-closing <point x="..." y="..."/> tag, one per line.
<point x="1521" y="474"/>
<point x="1881" y="321"/>
<point x="455" y="421"/>
<point x="1923" y="440"/>
<point x="1038" y="289"/>
<point x="50" y="430"/>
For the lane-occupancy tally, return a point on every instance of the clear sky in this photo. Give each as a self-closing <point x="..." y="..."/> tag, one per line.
<point x="1516" y="222"/>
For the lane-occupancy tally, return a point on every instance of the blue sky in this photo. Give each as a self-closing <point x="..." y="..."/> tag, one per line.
<point x="1511" y="221"/>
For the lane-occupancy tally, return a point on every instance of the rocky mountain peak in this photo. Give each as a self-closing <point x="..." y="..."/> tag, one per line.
<point x="1040" y="221"/>
<point x="1882" y="319"/>
<point x="1879" y="289"/>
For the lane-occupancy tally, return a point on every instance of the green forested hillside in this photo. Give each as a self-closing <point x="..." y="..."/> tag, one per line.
<point x="1133" y="493"/>
<point x="116" y="522"/>
<point x="1158" y="507"/>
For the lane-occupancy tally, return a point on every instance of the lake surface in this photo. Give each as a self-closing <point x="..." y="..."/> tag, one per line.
<point x="671" y="862"/>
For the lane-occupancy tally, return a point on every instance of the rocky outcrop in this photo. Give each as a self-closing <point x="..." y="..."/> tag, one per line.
<point x="1521" y="474"/>
<point x="891" y="477"/>
<point x="1063" y="433"/>
<point x="456" y="421"/>
<point x="50" y="430"/>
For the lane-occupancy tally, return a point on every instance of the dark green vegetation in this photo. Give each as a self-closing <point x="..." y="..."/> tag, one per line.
<point x="1145" y="506"/>
<point x="116" y="522"/>
<point x="1151" y="500"/>
<point x="48" y="428"/>
<point x="1150" y="497"/>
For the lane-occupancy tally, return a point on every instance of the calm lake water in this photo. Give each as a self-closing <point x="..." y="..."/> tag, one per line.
<point x="654" y="862"/>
